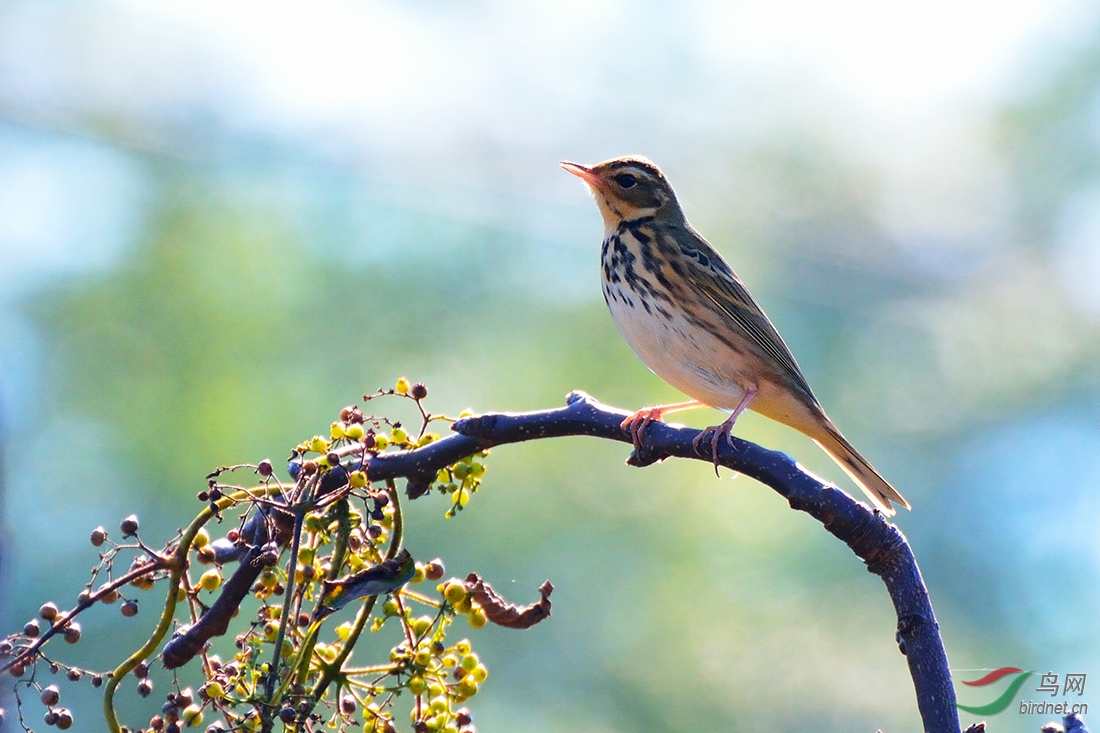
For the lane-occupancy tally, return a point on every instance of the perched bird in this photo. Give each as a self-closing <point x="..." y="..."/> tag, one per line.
<point x="385" y="577"/>
<point x="688" y="316"/>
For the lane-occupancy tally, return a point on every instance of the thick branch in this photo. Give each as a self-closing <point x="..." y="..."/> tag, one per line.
<point x="879" y="544"/>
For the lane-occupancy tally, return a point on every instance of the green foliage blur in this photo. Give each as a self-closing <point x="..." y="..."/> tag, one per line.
<point x="256" y="286"/>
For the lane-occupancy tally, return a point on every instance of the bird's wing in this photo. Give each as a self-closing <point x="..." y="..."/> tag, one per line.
<point x="712" y="277"/>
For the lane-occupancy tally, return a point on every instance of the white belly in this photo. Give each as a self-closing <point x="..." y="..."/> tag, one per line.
<point x="698" y="364"/>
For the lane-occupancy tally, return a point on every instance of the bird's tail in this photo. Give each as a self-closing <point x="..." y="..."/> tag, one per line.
<point x="877" y="489"/>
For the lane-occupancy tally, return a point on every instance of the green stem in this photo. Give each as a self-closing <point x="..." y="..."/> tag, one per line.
<point x="300" y="508"/>
<point x="178" y="565"/>
<point x="309" y="641"/>
<point x="329" y="671"/>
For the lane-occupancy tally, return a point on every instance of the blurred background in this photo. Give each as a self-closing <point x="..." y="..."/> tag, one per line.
<point x="222" y="222"/>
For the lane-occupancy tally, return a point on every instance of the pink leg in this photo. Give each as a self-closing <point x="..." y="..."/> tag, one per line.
<point x="637" y="423"/>
<point x="713" y="434"/>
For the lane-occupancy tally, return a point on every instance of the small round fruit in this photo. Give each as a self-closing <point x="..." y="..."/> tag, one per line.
<point x="210" y="580"/>
<point x="434" y="569"/>
<point x="129" y="526"/>
<point x="476" y="617"/>
<point x="50" y="696"/>
<point x="454" y="592"/>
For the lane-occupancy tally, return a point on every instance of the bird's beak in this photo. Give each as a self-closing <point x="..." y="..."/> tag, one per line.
<point x="582" y="172"/>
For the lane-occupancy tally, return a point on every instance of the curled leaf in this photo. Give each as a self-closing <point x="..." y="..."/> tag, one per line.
<point x="505" y="614"/>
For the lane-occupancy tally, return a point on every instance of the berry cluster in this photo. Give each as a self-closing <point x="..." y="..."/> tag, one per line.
<point x="329" y="541"/>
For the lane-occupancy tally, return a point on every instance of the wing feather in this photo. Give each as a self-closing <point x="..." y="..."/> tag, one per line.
<point x="712" y="277"/>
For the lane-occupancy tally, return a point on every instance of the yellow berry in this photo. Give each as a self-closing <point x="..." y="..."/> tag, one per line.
<point x="464" y="497"/>
<point x="271" y="630"/>
<point x="343" y="631"/>
<point x="402" y="386"/>
<point x="398" y="435"/>
<point x="381" y="442"/>
<point x="318" y="444"/>
<point x="202" y="539"/>
<point x="479" y="673"/>
<point x="214" y="691"/>
<point x="418" y="576"/>
<point x="210" y="580"/>
<point x="417" y="685"/>
<point x="192" y="716"/>
<point x="390" y="607"/>
<point x="463" y="647"/>
<point x="269" y="578"/>
<point x="421" y="625"/>
<point x="476" y="617"/>
<point x="454" y="592"/>
<point x="357" y="479"/>
<point x="354" y="432"/>
<point x="469" y="661"/>
<point x="337" y="430"/>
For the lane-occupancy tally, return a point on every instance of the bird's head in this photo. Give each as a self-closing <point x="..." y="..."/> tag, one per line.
<point x="629" y="188"/>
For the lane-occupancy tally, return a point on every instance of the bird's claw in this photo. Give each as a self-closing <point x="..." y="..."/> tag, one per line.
<point x="713" y="435"/>
<point x="636" y="424"/>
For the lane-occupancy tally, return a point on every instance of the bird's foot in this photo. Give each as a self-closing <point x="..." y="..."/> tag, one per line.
<point x="635" y="424"/>
<point x="712" y="436"/>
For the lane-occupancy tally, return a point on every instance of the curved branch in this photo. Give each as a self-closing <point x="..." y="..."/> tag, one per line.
<point x="879" y="544"/>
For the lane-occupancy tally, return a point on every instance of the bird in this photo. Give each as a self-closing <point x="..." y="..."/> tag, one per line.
<point x="692" y="321"/>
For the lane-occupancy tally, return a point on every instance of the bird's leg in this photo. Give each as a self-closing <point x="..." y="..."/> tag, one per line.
<point x="636" y="424"/>
<point x="713" y="434"/>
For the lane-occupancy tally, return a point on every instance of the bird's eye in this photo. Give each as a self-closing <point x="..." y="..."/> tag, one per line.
<point x="626" y="180"/>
